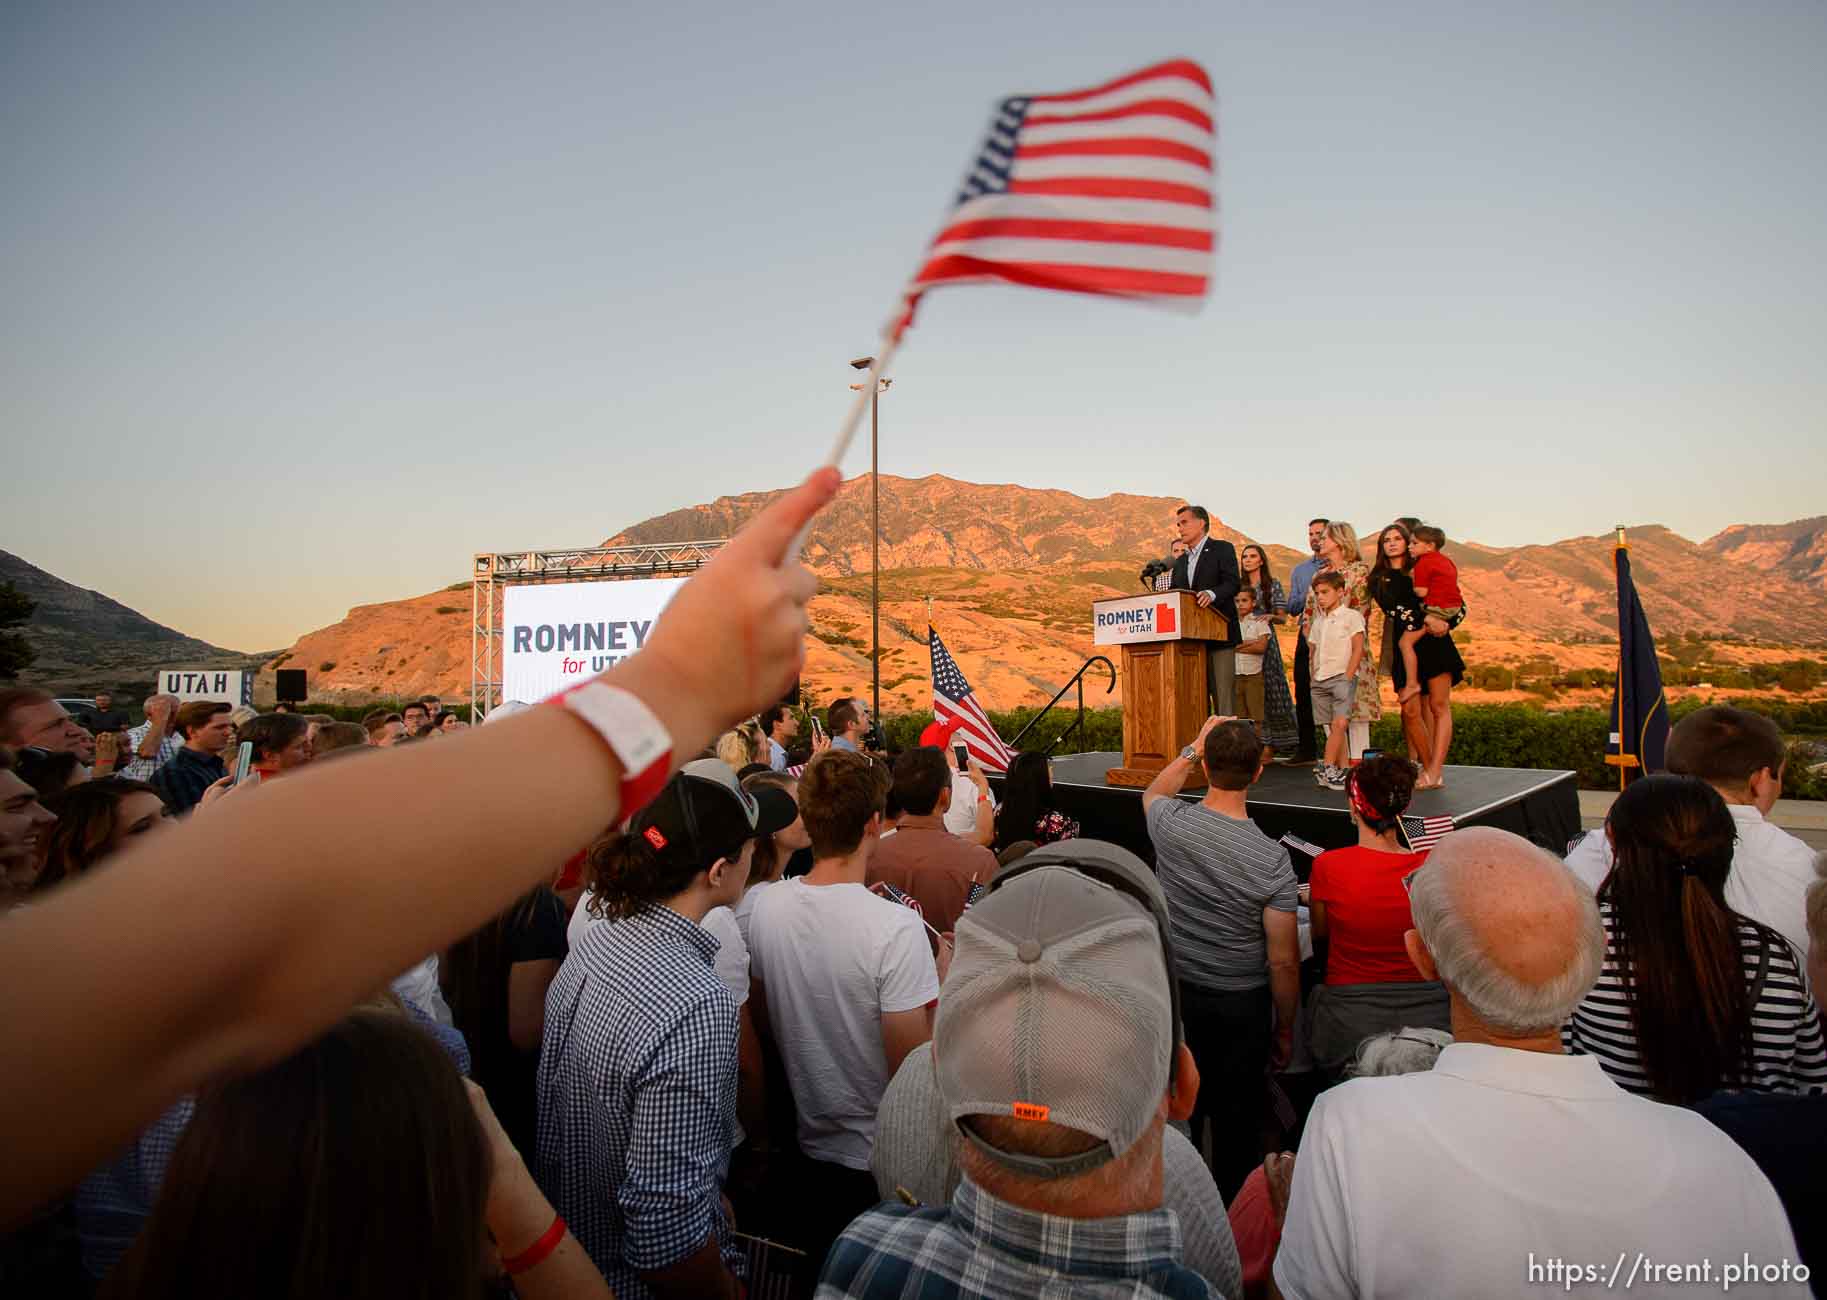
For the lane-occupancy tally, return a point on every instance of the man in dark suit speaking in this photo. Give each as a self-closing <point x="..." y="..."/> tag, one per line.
<point x="1209" y="568"/>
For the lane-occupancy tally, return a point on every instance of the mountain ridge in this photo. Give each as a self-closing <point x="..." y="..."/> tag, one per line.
<point x="86" y="640"/>
<point x="1011" y="572"/>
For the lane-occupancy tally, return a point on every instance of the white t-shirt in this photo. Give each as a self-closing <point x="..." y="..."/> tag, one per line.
<point x="581" y="920"/>
<point x="1768" y="882"/>
<point x="1329" y="640"/>
<point x="1481" y="1176"/>
<point x="1248" y="629"/>
<point x="961" y="817"/>
<point x="745" y="908"/>
<point x="834" y="959"/>
<point x="732" y="951"/>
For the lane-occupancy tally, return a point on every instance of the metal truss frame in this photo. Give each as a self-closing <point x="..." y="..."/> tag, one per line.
<point x="495" y="571"/>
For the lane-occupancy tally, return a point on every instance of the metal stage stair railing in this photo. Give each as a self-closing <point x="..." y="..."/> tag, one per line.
<point x="1078" y="724"/>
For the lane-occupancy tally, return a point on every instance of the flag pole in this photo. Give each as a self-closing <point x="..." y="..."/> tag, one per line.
<point x="891" y="339"/>
<point x="1618" y="705"/>
<point x="854" y="418"/>
<point x="875" y="546"/>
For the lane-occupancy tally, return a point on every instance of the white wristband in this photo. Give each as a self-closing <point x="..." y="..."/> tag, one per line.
<point x="634" y="735"/>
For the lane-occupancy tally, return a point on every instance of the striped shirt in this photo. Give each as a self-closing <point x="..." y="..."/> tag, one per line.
<point x="1218" y="873"/>
<point x="1787" y="1050"/>
<point x="637" y="1095"/>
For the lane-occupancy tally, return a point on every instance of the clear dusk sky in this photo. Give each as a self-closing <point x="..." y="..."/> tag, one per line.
<point x="303" y="304"/>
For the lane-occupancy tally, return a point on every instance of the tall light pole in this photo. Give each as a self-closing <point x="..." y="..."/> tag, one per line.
<point x="875" y="537"/>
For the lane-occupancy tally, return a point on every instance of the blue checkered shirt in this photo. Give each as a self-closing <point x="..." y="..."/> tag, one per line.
<point x="982" y="1246"/>
<point x="112" y="1203"/>
<point x="637" y="1095"/>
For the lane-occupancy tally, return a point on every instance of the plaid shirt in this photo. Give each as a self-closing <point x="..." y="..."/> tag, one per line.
<point x="637" y="1095"/>
<point x="136" y="768"/>
<point x="981" y="1246"/>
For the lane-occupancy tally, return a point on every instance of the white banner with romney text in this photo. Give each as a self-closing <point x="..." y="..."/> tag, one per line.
<point x="1127" y="620"/>
<point x="562" y="633"/>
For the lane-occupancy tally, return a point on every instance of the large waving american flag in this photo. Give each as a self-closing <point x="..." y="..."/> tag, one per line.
<point x="953" y="700"/>
<point x="1108" y="190"/>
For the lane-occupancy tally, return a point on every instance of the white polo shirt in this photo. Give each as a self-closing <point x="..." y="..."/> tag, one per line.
<point x="1329" y="640"/>
<point x="1485" y="1174"/>
<point x="1771" y="872"/>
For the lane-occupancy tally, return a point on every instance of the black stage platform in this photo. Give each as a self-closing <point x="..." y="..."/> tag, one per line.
<point x="1538" y="805"/>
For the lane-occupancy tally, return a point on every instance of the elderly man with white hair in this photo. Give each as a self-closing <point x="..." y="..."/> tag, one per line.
<point x="1511" y="1167"/>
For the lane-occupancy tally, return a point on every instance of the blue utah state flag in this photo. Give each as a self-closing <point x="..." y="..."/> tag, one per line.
<point x="1639" y="712"/>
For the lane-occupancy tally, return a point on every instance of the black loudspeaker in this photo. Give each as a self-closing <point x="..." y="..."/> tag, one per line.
<point x="289" y="685"/>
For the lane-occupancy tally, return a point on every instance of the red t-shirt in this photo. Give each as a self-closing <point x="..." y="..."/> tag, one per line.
<point x="1441" y="578"/>
<point x="1366" y="914"/>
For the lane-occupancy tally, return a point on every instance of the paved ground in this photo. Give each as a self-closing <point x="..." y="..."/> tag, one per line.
<point x="1806" y="819"/>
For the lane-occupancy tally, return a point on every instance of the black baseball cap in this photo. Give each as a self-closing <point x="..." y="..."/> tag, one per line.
<point x="703" y="814"/>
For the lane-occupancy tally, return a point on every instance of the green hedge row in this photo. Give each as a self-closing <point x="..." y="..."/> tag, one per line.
<point x="1484" y="735"/>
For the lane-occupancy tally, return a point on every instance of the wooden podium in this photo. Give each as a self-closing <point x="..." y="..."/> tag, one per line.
<point x="1164" y="694"/>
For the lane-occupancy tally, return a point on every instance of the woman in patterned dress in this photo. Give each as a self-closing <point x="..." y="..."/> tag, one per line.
<point x="1272" y="602"/>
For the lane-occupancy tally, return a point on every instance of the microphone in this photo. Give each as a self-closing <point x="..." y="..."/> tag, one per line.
<point x="1154" y="569"/>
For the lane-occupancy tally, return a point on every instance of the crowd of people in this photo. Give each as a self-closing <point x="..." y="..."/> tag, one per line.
<point x="668" y="988"/>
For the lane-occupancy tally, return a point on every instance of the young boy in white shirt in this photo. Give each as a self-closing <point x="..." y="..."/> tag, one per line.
<point x="1254" y="638"/>
<point x="1335" y="648"/>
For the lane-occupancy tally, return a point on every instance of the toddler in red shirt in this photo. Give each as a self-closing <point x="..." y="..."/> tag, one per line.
<point x="1436" y="580"/>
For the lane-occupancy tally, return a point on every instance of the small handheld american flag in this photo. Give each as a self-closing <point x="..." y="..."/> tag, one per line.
<point x="1422" y="833"/>
<point x="1107" y="190"/>
<point x="905" y="899"/>
<point x="954" y="701"/>
<point x="977" y="892"/>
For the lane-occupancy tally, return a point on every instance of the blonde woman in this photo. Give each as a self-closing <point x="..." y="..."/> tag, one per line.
<point x="742" y="746"/>
<point x="1340" y="553"/>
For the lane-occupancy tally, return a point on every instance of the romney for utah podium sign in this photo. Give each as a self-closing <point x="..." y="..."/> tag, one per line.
<point x="1134" y="619"/>
<point x="558" y="635"/>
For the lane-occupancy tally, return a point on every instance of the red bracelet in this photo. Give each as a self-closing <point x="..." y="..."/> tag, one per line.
<point x="536" y="1253"/>
<point x="634" y="735"/>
